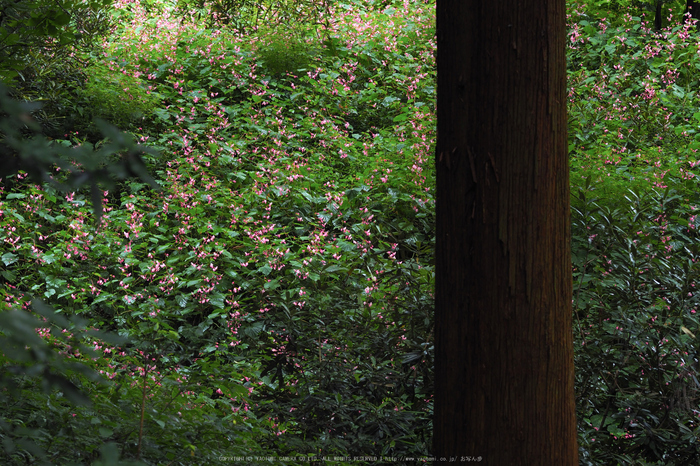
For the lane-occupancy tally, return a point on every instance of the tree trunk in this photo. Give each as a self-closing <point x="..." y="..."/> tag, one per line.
<point x="691" y="9"/>
<point x="658" y="18"/>
<point x="504" y="346"/>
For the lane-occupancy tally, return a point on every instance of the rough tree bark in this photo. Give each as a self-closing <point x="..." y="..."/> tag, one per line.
<point x="504" y="346"/>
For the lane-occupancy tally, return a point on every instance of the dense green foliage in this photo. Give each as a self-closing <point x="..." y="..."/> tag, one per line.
<point x="634" y="138"/>
<point x="276" y="293"/>
<point x="45" y="47"/>
<point x="274" y="296"/>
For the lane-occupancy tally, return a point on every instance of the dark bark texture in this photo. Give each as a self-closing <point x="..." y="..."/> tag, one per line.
<point x="658" y="15"/>
<point x="504" y="346"/>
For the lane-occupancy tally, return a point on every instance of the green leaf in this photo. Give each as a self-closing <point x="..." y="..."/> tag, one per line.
<point x="162" y="114"/>
<point x="217" y="299"/>
<point x="60" y="19"/>
<point x="8" y="258"/>
<point x="272" y="285"/>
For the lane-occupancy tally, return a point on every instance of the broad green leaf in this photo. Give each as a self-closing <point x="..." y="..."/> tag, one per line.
<point x="8" y="258"/>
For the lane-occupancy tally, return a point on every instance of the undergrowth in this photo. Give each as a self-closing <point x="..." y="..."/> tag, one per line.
<point x="276" y="294"/>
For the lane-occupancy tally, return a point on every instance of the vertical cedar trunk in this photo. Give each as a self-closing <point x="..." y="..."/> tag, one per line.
<point x="504" y="346"/>
<point x="658" y="19"/>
